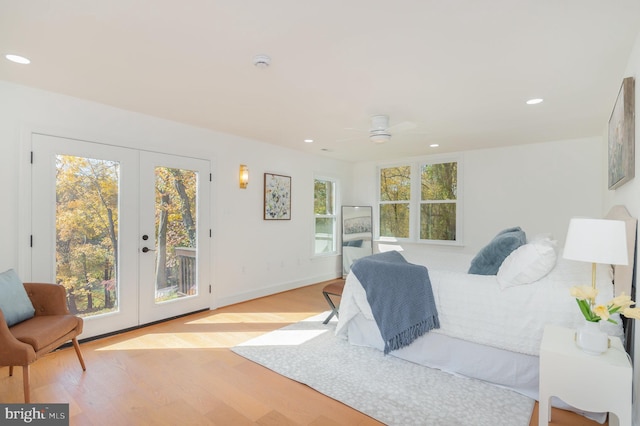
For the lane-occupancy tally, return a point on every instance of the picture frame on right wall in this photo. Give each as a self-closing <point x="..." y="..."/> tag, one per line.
<point x="621" y="139"/>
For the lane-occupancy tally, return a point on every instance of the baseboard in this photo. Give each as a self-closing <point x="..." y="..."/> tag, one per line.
<point x="270" y="290"/>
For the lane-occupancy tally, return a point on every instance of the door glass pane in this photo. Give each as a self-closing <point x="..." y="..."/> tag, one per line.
<point x="176" y="239"/>
<point x="87" y="192"/>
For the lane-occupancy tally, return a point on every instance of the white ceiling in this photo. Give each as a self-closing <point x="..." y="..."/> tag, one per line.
<point x="460" y="70"/>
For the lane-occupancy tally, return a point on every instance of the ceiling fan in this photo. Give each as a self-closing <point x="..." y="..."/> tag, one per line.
<point x="381" y="132"/>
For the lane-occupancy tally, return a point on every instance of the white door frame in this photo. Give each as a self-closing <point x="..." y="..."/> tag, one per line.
<point x="136" y="310"/>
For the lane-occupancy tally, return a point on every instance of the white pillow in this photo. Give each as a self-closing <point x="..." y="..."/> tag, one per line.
<point x="528" y="263"/>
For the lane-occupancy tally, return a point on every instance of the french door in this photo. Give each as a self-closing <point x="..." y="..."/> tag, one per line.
<point x="126" y="232"/>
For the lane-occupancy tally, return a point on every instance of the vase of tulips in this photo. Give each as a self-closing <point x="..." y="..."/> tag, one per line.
<point x="589" y="337"/>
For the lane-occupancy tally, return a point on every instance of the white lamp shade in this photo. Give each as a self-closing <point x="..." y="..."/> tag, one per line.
<point x="597" y="241"/>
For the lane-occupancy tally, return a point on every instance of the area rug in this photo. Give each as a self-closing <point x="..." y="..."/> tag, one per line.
<point x="389" y="389"/>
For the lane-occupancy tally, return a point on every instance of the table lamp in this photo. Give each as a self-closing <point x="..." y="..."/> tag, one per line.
<point x="596" y="241"/>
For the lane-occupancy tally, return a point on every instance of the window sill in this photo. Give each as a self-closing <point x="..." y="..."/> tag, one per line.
<point x="400" y="241"/>
<point x="321" y="255"/>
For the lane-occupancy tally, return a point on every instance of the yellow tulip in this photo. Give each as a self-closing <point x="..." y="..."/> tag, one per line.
<point x="584" y="292"/>
<point x="601" y="311"/>
<point x="631" y="313"/>
<point x="623" y="301"/>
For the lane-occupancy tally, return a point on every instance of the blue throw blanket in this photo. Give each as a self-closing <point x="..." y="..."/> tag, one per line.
<point x="400" y="297"/>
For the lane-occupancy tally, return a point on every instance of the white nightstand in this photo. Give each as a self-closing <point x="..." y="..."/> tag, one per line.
<point x="597" y="383"/>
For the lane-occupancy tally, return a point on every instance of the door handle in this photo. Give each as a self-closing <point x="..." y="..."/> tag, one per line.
<point x="146" y="249"/>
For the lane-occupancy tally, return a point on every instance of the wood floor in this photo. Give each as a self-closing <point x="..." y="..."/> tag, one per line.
<point x="182" y="372"/>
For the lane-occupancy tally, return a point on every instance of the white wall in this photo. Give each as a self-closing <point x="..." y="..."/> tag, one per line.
<point x="629" y="196"/>
<point x="250" y="257"/>
<point x="538" y="187"/>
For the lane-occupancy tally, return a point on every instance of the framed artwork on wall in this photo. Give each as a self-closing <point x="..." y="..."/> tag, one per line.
<point x="277" y="197"/>
<point x="621" y="139"/>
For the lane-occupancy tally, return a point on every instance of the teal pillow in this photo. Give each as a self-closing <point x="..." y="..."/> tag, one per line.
<point x="14" y="302"/>
<point x="489" y="259"/>
<point x="506" y="231"/>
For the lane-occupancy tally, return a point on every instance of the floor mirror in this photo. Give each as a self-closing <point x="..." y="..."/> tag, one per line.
<point x="357" y="235"/>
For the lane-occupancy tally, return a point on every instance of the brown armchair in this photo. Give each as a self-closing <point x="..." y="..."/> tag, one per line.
<point x="29" y="340"/>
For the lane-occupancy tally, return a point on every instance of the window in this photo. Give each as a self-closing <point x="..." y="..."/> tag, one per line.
<point x="438" y="201"/>
<point x="395" y="195"/>
<point x="324" y="209"/>
<point x="419" y="201"/>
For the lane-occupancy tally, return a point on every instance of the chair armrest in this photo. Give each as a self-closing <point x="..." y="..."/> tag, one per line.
<point x="13" y="351"/>
<point x="47" y="299"/>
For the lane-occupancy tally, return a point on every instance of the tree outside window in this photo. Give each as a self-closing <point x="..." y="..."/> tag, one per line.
<point x="87" y="200"/>
<point x="87" y="233"/>
<point x="426" y="210"/>
<point x="395" y="195"/>
<point x="438" y="200"/>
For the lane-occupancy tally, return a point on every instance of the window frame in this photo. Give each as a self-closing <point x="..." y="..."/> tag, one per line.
<point x="415" y="202"/>
<point x="407" y="202"/>
<point x="335" y="251"/>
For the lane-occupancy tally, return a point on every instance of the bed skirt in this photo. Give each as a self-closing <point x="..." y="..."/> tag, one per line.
<point x="516" y="371"/>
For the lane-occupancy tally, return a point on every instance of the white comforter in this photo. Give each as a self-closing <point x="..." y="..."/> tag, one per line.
<point x="476" y="309"/>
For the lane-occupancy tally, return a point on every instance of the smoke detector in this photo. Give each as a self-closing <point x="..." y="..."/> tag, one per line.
<point x="261" y="61"/>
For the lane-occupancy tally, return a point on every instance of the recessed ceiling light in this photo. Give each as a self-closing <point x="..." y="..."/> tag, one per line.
<point x="534" y="101"/>
<point x="434" y="145"/>
<point x="17" y="59"/>
<point x="308" y="140"/>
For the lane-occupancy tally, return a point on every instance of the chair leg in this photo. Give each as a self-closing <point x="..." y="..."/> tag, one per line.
<point x="25" y="384"/>
<point x="76" y="346"/>
<point x="10" y="370"/>
<point x="334" y="310"/>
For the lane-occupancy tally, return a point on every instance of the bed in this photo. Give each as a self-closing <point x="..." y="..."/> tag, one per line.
<point x="489" y="330"/>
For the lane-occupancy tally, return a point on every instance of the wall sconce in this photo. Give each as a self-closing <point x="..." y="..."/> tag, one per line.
<point x="244" y="176"/>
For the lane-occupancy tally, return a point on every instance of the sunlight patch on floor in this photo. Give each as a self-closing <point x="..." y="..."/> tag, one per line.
<point x="224" y="339"/>
<point x="284" y="338"/>
<point x="197" y="340"/>
<point x="249" y="318"/>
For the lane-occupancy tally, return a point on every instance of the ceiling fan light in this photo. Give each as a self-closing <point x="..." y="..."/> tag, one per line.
<point x="379" y="137"/>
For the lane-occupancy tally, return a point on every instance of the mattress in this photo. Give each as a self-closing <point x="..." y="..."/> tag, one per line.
<point x="475" y="308"/>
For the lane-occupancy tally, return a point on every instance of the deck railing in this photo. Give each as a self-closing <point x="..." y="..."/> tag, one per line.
<point x="187" y="272"/>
